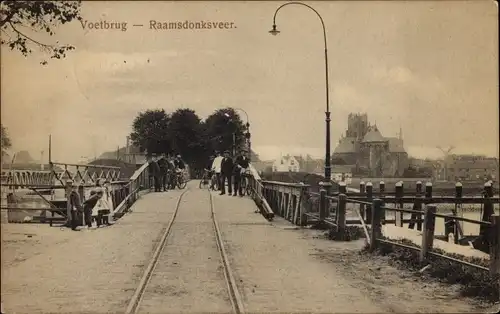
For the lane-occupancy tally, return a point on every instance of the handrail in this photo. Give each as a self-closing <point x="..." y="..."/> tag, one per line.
<point x="295" y="185"/>
<point x="84" y="165"/>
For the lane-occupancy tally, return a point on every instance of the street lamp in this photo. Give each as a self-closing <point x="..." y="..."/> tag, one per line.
<point x="247" y="134"/>
<point x="274" y="31"/>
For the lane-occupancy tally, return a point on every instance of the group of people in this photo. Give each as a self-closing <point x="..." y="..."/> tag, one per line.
<point x="164" y="171"/>
<point x="97" y="208"/>
<point x="226" y="170"/>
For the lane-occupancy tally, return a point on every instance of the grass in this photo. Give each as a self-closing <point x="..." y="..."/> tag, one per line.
<point x="474" y="282"/>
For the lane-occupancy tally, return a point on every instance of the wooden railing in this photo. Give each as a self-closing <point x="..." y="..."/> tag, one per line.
<point x="258" y="194"/>
<point x="297" y="204"/>
<point x="123" y="193"/>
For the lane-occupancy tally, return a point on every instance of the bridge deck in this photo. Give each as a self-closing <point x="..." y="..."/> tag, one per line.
<point x="276" y="267"/>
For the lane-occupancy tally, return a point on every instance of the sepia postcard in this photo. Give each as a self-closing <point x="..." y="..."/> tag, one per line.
<point x="249" y="157"/>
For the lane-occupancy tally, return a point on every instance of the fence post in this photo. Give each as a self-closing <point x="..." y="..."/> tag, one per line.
<point x="341" y="209"/>
<point x="369" y="198"/>
<point x="495" y="245"/>
<point x="322" y="205"/>
<point x="68" y="188"/>
<point x="304" y="197"/>
<point x="81" y="192"/>
<point x="376" y="227"/>
<point x="428" y="234"/>
<point x="381" y="187"/>
<point x="399" y="194"/>
<point x="487" y="209"/>
<point x="457" y="228"/>
<point x="362" y="206"/>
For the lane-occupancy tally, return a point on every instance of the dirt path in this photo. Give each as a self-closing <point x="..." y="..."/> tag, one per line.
<point x="189" y="275"/>
<point x="280" y="268"/>
<point x="89" y="271"/>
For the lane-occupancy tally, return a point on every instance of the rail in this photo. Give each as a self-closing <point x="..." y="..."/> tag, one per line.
<point x="123" y="193"/>
<point x="297" y="204"/>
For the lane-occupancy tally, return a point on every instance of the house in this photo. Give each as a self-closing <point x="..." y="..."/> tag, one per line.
<point x="342" y="173"/>
<point x="130" y="154"/>
<point x="285" y="164"/>
<point x="470" y="168"/>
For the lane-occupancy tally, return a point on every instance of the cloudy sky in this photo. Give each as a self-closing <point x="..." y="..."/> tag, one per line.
<point x="429" y="67"/>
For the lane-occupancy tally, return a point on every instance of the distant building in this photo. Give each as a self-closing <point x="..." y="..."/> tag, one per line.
<point x="285" y="164"/>
<point x="470" y="168"/>
<point x="364" y="147"/>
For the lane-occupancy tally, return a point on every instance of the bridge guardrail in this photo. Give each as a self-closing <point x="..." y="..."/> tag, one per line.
<point x="291" y="201"/>
<point x="258" y="195"/>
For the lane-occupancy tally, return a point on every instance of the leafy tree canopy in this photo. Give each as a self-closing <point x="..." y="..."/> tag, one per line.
<point x="5" y="142"/>
<point x="220" y="127"/>
<point x="184" y="133"/>
<point x="150" y="132"/>
<point x="19" y="19"/>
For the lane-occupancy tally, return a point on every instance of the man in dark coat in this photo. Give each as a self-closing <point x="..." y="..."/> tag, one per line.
<point x="241" y="164"/>
<point x="75" y="207"/>
<point x="154" y="170"/>
<point x="162" y="163"/>
<point x="226" y="173"/>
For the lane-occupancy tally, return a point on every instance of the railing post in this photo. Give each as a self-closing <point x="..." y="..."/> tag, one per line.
<point x="399" y="195"/>
<point x="81" y="192"/>
<point x="341" y="209"/>
<point x="362" y="206"/>
<point x="369" y="198"/>
<point x="428" y="234"/>
<point x="342" y="188"/>
<point x="68" y="188"/>
<point x="303" y="206"/>
<point x="495" y="245"/>
<point x="488" y="210"/>
<point x="376" y="227"/>
<point x="322" y="205"/>
<point x="457" y="228"/>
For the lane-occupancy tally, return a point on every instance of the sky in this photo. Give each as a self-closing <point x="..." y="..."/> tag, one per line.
<point x="428" y="67"/>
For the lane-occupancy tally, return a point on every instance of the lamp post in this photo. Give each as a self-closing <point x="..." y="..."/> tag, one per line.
<point x="274" y="31"/>
<point x="247" y="134"/>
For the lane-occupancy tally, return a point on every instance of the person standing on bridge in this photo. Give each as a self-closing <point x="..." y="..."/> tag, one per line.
<point x="163" y="172"/>
<point x="227" y="168"/>
<point x="241" y="165"/>
<point x="216" y="167"/>
<point x="75" y="206"/>
<point x="155" y="171"/>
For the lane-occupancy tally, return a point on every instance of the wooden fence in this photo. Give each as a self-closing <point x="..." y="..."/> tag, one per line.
<point x="298" y="205"/>
<point x="123" y="193"/>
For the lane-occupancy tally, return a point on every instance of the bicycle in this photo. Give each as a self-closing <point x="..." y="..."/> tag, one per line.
<point x="180" y="182"/>
<point x="245" y="184"/>
<point x="214" y="182"/>
<point x="205" y="179"/>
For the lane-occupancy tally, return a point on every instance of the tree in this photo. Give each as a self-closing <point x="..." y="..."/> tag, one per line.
<point x="220" y="127"/>
<point x="150" y="132"/>
<point x="20" y="18"/>
<point x="186" y="135"/>
<point x="5" y="142"/>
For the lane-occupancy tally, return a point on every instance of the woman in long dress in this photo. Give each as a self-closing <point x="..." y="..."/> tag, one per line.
<point x="109" y="201"/>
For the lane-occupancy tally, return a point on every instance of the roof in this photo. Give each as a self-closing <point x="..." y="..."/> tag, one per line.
<point x="346" y="145"/>
<point x="396" y="145"/>
<point x="342" y="168"/>
<point x="373" y="136"/>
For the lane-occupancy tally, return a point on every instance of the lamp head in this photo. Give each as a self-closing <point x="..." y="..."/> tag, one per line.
<point x="274" y="31"/>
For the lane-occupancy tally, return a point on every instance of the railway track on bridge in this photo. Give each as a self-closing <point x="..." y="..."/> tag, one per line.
<point x="161" y="287"/>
